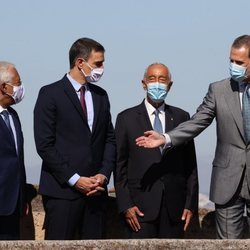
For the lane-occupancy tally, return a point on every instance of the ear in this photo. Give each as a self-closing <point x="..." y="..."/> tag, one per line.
<point x="144" y="85"/>
<point x="79" y="62"/>
<point x="170" y="85"/>
<point x="3" y="87"/>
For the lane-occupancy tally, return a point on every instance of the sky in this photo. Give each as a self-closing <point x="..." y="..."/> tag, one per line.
<point x="193" y="38"/>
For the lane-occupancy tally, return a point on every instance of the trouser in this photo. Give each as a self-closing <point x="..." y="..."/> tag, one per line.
<point x="82" y="218"/>
<point x="229" y="218"/>
<point x="10" y="226"/>
<point x="162" y="227"/>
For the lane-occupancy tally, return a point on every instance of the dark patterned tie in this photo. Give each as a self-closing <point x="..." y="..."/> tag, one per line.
<point x="82" y="100"/>
<point x="5" y="113"/>
<point x="246" y="112"/>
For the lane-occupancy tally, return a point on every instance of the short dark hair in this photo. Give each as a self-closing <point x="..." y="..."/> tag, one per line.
<point x="242" y="41"/>
<point x="83" y="48"/>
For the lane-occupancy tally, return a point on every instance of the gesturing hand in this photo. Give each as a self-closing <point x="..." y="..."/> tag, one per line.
<point x="151" y="139"/>
<point x="131" y="218"/>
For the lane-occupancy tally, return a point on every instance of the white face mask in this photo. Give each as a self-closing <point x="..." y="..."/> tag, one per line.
<point x="18" y="93"/>
<point x="95" y="74"/>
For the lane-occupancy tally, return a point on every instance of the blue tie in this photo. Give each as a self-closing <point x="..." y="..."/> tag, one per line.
<point x="157" y="122"/>
<point x="246" y="112"/>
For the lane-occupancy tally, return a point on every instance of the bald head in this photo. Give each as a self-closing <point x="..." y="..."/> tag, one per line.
<point x="161" y="68"/>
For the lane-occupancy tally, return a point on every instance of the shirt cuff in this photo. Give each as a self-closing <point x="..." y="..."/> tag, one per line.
<point x="73" y="180"/>
<point x="168" y="143"/>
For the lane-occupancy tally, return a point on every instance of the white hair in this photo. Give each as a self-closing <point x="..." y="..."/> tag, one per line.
<point x="156" y="63"/>
<point x="5" y="74"/>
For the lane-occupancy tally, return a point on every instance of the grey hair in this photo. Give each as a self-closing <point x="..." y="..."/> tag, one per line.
<point x="5" y="75"/>
<point x="156" y="63"/>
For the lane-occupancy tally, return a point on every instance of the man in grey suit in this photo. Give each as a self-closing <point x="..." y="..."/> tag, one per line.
<point x="226" y="101"/>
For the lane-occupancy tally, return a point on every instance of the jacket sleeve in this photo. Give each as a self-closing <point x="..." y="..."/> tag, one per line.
<point x="45" y="136"/>
<point x="192" y="196"/>
<point x="121" y="172"/>
<point x="198" y="122"/>
<point x="109" y="156"/>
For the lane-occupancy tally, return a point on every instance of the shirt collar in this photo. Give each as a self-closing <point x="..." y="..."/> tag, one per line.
<point x="2" y="109"/>
<point x="151" y="109"/>
<point x="76" y="85"/>
<point x="242" y="86"/>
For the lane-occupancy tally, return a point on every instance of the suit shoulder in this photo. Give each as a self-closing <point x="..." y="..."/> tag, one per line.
<point x="51" y="86"/>
<point x="221" y="83"/>
<point x="97" y="89"/>
<point x="129" y="111"/>
<point x="177" y="110"/>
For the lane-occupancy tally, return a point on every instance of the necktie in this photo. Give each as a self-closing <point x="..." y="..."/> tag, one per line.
<point x="246" y="112"/>
<point x="157" y="122"/>
<point x="5" y="113"/>
<point x="82" y="100"/>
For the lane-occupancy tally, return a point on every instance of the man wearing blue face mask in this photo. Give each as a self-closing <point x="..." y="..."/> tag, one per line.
<point x="229" y="102"/>
<point x="156" y="195"/>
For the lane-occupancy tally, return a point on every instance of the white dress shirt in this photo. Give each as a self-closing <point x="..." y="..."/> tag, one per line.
<point x="11" y="125"/>
<point x="151" y="109"/>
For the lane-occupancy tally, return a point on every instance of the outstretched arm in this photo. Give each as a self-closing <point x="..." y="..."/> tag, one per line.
<point x="151" y="139"/>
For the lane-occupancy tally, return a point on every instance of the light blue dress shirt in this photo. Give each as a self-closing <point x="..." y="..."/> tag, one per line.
<point x="90" y="114"/>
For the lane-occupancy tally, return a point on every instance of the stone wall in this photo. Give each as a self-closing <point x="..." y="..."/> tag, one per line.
<point x="202" y="226"/>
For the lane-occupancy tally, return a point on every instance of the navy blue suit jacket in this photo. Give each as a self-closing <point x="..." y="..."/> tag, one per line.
<point x="64" y="140"/>
<point x="12" y="170"/>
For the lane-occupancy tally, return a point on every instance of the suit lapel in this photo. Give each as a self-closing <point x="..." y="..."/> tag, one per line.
<point x="96" y="106"/>
<point x="169" y="119"/>
<point x="18" y="130"/>
<point x="70" y="92"/>
<point x="143" y="118"/>
<point x="233" y="101"/>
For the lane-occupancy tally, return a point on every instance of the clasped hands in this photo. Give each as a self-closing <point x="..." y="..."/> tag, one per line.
<point x="91" y="186"/>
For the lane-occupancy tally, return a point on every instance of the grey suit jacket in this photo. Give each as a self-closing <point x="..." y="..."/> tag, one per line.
<point x="232" y="154"/>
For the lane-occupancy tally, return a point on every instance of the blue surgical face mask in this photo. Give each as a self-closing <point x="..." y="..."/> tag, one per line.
<point x="237" y="72"/>
<point x="157" y="92"/>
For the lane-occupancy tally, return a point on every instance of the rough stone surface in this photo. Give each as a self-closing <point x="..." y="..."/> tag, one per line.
<point x="202" y="226"/>
<point x="129" y="244"/>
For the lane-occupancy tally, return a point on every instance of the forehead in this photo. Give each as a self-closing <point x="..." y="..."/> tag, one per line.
<point x="157" y="70"/>
<point x="96" y="56"/>
<point x="240" y="53"/>
<point x="14" y="75"/>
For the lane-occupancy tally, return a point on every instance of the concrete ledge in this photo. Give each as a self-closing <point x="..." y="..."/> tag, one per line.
<point x="128" y="244"/>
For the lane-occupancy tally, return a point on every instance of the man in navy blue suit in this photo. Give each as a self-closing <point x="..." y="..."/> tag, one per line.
<point x="75" y="139"/>
<point x="12" y="170"/>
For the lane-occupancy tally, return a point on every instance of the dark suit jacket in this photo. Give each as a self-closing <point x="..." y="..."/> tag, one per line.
<point x="12" y="170"/>
<point x="143" y="174"/>
<point x="64" y="140"/>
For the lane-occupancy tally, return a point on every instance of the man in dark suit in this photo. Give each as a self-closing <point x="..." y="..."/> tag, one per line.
<point x="157" y="195"/>
<point x="228" y="101"/>
<point x="75" y="139"/>
<point x="12" y="170"/>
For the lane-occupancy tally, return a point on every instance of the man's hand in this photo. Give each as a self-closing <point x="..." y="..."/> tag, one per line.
<point x="131" y="218"/>
<point x="100" y="179"/>
<point x="186" y="216"/>
<point x="86" y="184"/>
<point x="151" y="139"/>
